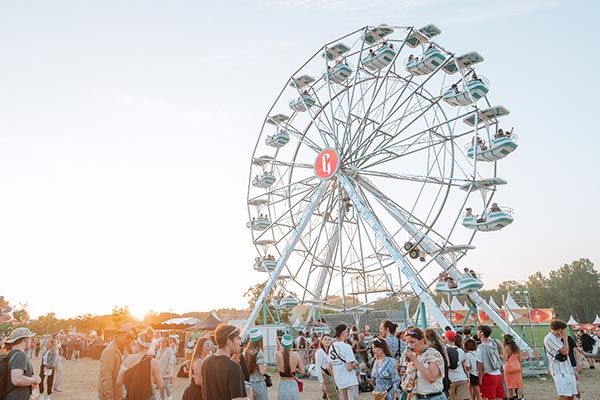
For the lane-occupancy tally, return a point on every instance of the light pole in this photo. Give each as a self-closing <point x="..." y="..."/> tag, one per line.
<point x="524" y="294"/>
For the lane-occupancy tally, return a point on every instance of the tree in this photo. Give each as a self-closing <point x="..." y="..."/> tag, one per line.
<point x="121" y="315"/>
<point x="47" y="323"/>
<point x="253" y="293"/>
<point x="84" y="323"/>
<point x="577" y="290"/>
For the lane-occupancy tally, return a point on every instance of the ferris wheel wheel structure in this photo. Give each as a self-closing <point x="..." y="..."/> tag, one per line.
<point x="362" y="169"/>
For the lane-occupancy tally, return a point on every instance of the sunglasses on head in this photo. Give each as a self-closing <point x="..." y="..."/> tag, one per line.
<point x="232" y="332"/>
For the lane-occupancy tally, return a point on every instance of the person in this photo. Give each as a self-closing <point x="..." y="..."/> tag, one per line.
<point x="110" y="363"/>
<point x="499" y="134"/>
<point x="467" y="332"/>
<point x="587" y="344"/>
<point x="288" y="363"/>
<point x="38" y="347"/>
<point x="257" y="366"/>
<point x="556" y="345"/>
<point x="411" y="57"/>
<point x="455" y="88"/>
<point x="20" y="370"/>
<point x="58" y="367"/>
<point x="488" y="365"/>
<point x="139" y="371"/>
<point x="222" y="378"/>
<point x="469" y="212"/>
<point x="387" y="330"/>
<point x="166" y="365"/>
<point x="324" y="372"/>
<point x="495" y="208"/>
<point x="343" y="363"/>
<point x="470" y="346"/>
<point x="459" y="384"/>
<point x="424" y="372"/>
<point x="363" y="352"/>
<point x="383" y="372"/>
<point x="202" y="350"/>
<point x="433" y="339"/>
<point x="513" y="368"/>
<point x="47" y="368"/>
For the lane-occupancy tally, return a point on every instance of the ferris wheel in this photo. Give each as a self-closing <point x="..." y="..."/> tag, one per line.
<point x="374" y="169"/>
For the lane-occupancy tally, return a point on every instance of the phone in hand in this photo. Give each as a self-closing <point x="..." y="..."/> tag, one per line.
<point x="410" y="348"/>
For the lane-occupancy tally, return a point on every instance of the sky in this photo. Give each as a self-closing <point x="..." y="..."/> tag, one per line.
<point x="127" y="128"/>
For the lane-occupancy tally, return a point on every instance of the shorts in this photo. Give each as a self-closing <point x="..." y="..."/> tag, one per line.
<point x="350" y="393"/>
<point x="459" y="390"/>
<point x="492" y="387"/>
<point x="566" y="385"/>
<point x="473" y="380"/>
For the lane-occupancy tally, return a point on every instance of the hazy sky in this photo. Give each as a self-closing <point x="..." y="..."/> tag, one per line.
<point x="127" y="127"/>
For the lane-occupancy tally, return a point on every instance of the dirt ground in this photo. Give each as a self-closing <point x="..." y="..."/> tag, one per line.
<point x="80" y="379"/>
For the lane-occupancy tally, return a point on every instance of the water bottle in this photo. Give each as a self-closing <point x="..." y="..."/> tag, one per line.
<point x="35" y="392"/>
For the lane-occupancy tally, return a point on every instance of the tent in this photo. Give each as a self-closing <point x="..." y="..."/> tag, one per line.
<point x="176" y="324"/>
<point x="572" y="321"/>
<point x="209" y="323"/>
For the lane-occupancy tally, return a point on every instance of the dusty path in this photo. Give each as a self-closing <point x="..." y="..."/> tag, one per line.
<point x="80" y="378"/>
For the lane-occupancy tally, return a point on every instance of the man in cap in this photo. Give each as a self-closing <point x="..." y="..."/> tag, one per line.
<point x="341" y="357"/>
<point x="18" y="387"/>
<point x="110" y="363"/>
<point x="459" y="384"/>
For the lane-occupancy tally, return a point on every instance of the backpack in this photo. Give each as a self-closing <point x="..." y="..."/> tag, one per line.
<point x="452" y="357"/>
<point x="5" y="372"/>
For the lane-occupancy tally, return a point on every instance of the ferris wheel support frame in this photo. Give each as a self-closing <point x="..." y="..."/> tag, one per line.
<point x="412" y="277"/>
<point x="430" y="247"/>
<point x="289" y="247"/>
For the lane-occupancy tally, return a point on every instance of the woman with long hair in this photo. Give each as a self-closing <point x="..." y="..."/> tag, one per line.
<point x="384" y="373"/>
<point x="425" y="369"/>
<point x="202" y="350"/>
<point x="288" y="363"/>
<point x="513" y="376"/>
<point x="47" y="367"/>
<point x="324" y="373"/>
<point x="257" y="367"/>
<point x="387" y="330"/>
<point x="140" y="371"/>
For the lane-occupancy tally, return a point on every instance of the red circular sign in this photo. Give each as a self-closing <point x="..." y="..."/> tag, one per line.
<point x="326" y="164"/>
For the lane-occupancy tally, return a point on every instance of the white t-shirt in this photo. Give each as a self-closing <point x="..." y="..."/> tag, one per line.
<point x="458" y="374"/>
<point x="471" y="362"/>
<point x="343" y="378"/>
<point x="321" y="362"/>
<point x="552" y="345"/>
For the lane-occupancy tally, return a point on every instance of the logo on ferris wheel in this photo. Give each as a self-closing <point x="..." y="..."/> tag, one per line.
<point x="326" y="164"/>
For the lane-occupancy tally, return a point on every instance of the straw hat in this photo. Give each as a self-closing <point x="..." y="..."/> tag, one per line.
<point x="18" y="334"/>
<point x="127" y="327"/>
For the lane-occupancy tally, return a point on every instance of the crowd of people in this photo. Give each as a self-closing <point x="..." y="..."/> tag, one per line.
<point x="410" y="364"/>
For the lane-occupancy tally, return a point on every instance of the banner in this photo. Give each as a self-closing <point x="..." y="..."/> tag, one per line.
<point x="584" y="327"/>
<point x="459" y="317"/>
<point x="520" y="316"/>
